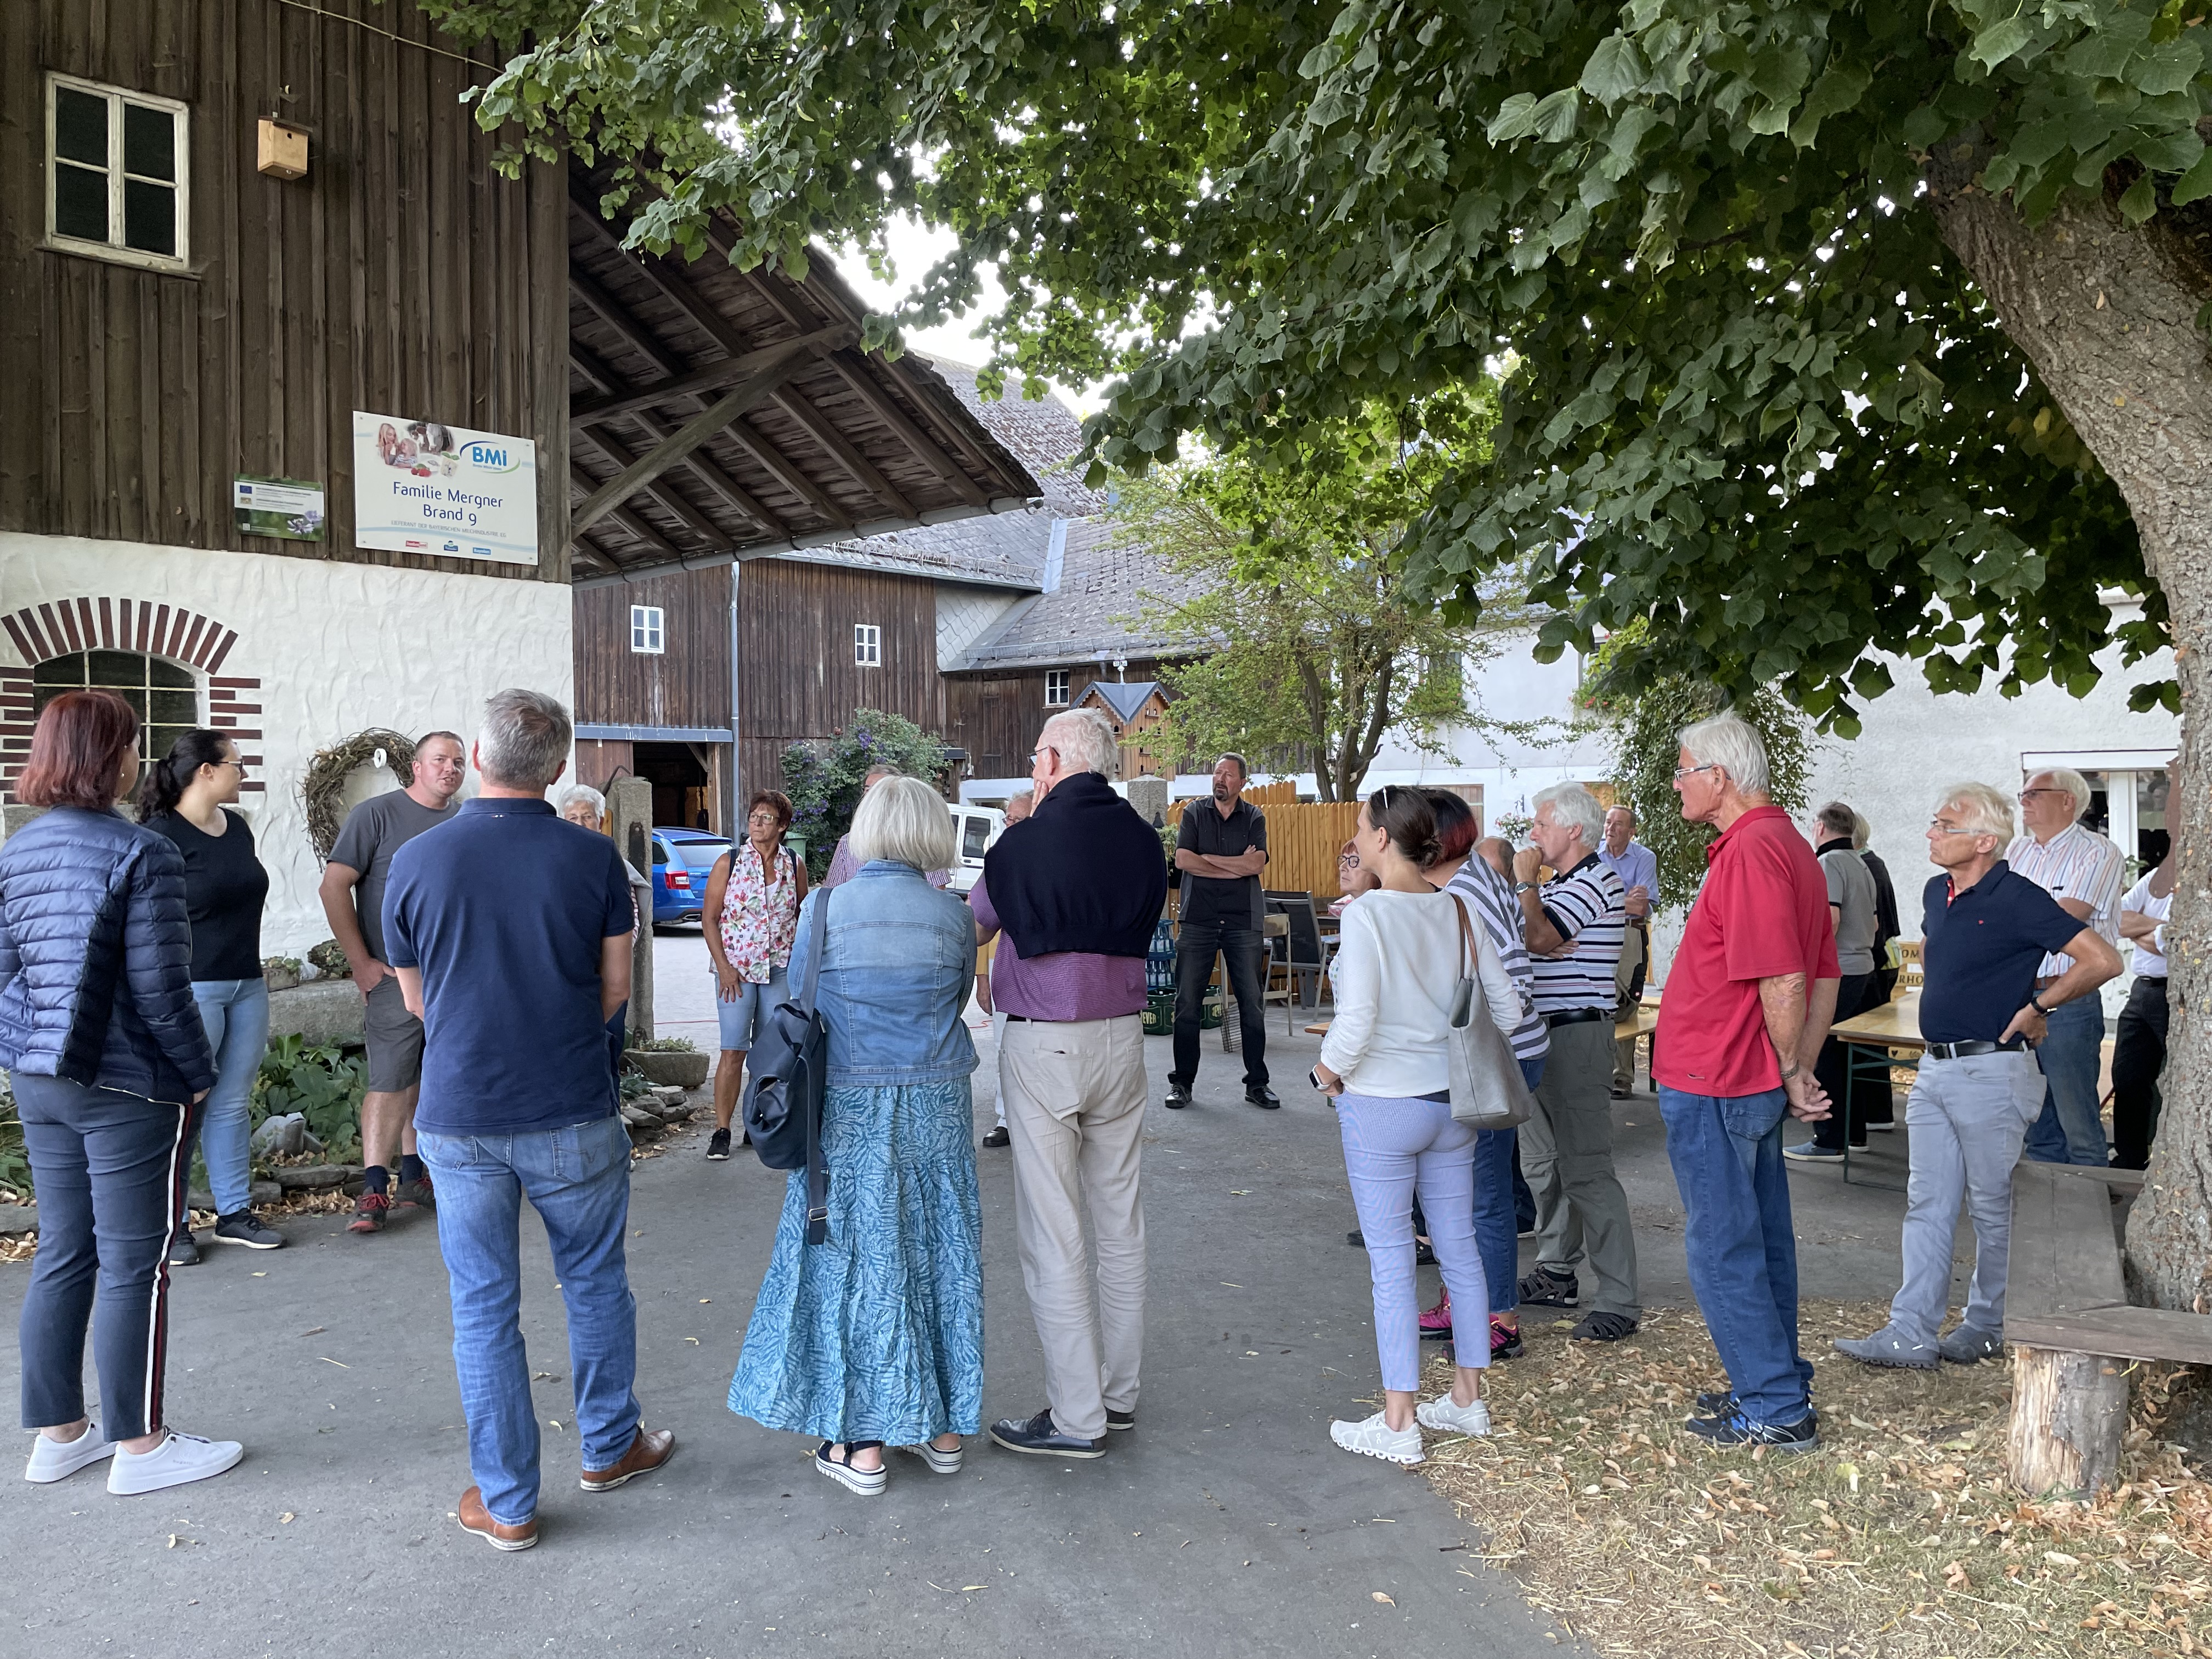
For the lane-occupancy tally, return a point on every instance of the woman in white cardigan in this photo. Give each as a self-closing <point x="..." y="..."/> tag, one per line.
<point x="1383" y="1062"/>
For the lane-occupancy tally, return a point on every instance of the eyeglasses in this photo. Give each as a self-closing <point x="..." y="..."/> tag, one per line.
<point x="1937" y="827"/>
<point x="2028" y="795"/>
<point x="764" y="818"/>
<point x="1046" y="749"/>
<point x="1681" y="772"/>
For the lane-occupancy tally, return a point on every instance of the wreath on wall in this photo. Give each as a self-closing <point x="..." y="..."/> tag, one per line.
<point x="322" y="791"/>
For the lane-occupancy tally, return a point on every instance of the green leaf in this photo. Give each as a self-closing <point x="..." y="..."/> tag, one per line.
<point x="1839" y="89"/>
<point x="1615" y="70"/>
<point x="2196" y="184"/>
<point x="1994" y="44"/>
<point x="1555" y="118"/>
<point x="1516" y="119"/>
<point x="2141" y="201"/>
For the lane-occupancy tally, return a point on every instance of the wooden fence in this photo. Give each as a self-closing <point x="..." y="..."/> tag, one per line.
<point x="1302" y="839"/>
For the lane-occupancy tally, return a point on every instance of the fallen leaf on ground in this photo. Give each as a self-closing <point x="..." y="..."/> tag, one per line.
<point x="287" y="1515"/>
<point x="1378" y="1595"/>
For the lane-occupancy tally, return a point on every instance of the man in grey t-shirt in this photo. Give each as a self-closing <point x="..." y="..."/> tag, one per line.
<point x="353" y="902"/>
<point x="1853" y="911"/>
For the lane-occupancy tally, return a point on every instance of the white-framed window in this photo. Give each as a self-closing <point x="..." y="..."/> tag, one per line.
<point x="117" y="182"/>
<point x="867" y="644"/>
<point x="1055" y="688"/>
<point x="648" y="629"/>
<point x="164" y="695"/>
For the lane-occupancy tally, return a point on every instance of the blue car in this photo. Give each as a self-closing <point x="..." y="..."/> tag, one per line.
<point x="681" y="859"/>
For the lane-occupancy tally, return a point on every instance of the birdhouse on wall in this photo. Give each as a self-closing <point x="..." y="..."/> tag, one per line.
<point x="1136" y="708"/>
<point x="283" y="150"/>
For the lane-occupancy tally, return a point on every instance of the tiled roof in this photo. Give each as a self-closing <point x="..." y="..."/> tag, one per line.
<point x="1124" y="697"/>
<point x="1006" y="550"/>
<point x="1101" y="608"/>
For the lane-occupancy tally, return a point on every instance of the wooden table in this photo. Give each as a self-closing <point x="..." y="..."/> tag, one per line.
<point x="1891" y="1035"/>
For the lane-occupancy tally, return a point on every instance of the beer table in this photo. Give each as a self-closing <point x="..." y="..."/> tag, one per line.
<point x="1876" y="1041"/>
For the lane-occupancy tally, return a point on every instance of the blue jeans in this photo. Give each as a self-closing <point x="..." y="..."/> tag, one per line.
<point x="578" y="1180"/>
<point x="1497" y="1225"/>
<point x="1727" y="1154"/>
<point x="236" y="1014"/>
<point x="2069" y="1130"/>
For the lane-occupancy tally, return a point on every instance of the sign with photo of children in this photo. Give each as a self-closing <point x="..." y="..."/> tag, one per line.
<point x="424" y="487"/>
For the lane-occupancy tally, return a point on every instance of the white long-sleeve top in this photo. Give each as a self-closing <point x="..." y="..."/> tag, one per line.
<point x="1394" y="977"/>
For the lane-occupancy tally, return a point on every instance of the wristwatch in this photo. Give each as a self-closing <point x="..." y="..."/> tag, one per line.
<point x="2036" y="1003"/>
<point x="1524" y="887"/>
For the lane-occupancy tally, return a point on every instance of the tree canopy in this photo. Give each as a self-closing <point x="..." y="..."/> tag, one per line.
<point x="1287" y="573"/>
<point x="1756" y="398"/>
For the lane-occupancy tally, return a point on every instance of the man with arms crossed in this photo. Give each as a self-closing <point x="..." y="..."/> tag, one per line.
<point x="1747" y="1004"/>
<point x="510" y="932"/>
<point x="1221" y="847"/>
<point x="1984" y="934"/>
<point x="352" y="892"/>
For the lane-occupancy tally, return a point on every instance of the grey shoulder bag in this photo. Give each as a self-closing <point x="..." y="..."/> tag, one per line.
<point x="1487" y="1089"/>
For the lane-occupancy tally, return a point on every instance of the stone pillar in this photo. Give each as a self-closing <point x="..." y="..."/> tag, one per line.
<point x="630" y="821"/>
<point x="1149" y="797"/>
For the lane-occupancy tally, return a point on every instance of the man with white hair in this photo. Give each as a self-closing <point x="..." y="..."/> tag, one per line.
<point x="1986" y="933"/>
<point x="1748" y="1001"/>
<point x="1077" y="891"/>
<point x="1573" y="925"/>
<point x="510" y="934"/>
<point x="2084" y="873"/>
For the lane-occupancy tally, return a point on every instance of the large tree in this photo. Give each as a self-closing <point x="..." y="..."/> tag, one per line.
<point x="1287" y="574"/>
<point x="1842" y="329"/>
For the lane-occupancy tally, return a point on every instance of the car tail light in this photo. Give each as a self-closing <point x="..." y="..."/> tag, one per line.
<point x="679" y="879"/>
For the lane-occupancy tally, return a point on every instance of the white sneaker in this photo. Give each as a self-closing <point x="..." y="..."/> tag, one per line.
<point x="56" y="1460"/>
<point x="1447" y="1416"/>
<point x="1373" y="1438"/>
<point x="177" y="1461"/>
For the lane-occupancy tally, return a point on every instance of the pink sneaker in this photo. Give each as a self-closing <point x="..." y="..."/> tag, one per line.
<point x="1436" y="1324"/>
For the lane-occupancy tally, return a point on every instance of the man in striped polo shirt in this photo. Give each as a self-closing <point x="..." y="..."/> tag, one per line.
<point x="2084" y="871"/>
<point x="1573" y="924"/>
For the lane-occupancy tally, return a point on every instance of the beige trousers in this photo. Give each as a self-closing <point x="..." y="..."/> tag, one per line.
<point x="1074" y="1093"/>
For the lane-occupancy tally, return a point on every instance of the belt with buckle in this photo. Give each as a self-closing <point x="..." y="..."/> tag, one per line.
<point x="1577" y="1015"/>
<point x="1968" y="1050"/>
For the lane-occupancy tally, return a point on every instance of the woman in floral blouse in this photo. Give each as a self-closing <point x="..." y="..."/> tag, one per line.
<point x="752" y="896"/>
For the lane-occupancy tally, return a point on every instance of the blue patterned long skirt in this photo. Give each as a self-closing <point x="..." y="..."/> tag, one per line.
<point x="877" y="1332"/>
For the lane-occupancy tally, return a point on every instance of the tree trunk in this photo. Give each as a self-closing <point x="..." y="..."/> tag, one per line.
<point x="2069" y="1412"/>
<point x="2106" y="311"/>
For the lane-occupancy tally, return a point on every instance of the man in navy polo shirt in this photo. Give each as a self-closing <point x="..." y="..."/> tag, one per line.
<point x="1986" y="931"/>
<point x="510" y="932"/>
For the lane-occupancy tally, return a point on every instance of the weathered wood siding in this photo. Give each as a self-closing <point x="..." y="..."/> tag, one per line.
<point x="996" y="718"/>
<point x="401" y="275"/>
<point x="687" y="685"/>
<point x="796" y="677"/>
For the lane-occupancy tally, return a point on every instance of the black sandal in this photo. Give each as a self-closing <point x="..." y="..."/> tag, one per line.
<point x="868" y="1483"/>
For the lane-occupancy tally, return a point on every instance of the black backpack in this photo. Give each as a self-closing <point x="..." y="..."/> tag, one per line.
<point x="789" y="1068"/>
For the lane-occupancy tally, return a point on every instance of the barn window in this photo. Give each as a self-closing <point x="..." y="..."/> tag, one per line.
<point x="163" y="695"/>
<point x="116" y="180"/>
<point x="1055" y="688"/>
<point x="867" y="644"/>
<point x="648" y="629"/>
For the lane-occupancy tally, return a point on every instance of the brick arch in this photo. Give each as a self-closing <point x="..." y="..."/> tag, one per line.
<point x="63" y="627"/>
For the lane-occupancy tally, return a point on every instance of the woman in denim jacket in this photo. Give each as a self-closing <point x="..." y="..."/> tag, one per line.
<point x="875" y="1338"/>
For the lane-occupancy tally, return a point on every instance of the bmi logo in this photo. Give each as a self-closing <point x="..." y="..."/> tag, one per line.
<point x="487" y="455"/>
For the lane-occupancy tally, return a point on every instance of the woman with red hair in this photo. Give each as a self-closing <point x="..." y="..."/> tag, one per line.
<point x="108" y="1059"/>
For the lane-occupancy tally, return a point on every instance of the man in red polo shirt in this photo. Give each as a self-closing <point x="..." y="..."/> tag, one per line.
<point x="1747" y="1004"/>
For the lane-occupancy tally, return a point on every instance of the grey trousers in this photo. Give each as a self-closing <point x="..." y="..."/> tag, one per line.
<point x="1967" y="1118"/>
<point x="1567" y="1153"/>
<point x="1075" y="1106"/>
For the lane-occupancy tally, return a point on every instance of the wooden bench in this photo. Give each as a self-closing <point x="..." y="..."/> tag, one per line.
<point x="2072" y="1332"/>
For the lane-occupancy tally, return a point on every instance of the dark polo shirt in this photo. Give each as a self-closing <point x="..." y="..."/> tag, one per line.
<point x="504" y="910"/>
<point x="1981" y="949"/>
<point x="1235" y="902"/>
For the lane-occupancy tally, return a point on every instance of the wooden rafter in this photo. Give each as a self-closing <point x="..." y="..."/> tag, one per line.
<point x="712" y="377"/>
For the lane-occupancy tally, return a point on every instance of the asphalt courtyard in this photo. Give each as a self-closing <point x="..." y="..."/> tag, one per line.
<point x="1227" y="1524"/>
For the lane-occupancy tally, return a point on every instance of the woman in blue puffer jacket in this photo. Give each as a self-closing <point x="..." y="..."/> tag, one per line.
<point x="108" y="1059"/>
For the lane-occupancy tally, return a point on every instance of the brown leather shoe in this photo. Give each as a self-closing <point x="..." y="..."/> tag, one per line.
<point x="651" y="1448"/>
<point x="475" y="1518"/>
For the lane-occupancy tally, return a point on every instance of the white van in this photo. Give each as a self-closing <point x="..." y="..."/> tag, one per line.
<point x="975" y="827"/>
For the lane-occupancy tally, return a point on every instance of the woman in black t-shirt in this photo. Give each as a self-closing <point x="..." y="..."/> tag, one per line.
<point x="183" y="798"/>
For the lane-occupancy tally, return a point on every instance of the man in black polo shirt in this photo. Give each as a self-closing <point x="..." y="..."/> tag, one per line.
<point x="1220" y="849"/>
<point x="1985" y="933"/>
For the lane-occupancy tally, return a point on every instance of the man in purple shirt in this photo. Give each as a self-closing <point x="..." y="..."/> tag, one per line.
<point x="1076" y="890"/>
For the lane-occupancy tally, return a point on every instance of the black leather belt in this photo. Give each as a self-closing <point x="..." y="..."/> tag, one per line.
<point x="1024" y="1018"/>
<point x="1577" y="1015"/>
<point x="1968" y="1050"/>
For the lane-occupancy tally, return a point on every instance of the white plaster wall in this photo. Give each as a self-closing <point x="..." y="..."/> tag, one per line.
<point x="338" y="648"/>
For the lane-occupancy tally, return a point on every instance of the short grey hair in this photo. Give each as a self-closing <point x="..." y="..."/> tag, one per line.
<point x="2066" y="778"/>
<point x="1731" y="743"/>
<point x="1989" y="810"/>
<point x="1838" y="820"/>
<point x="1085" y="740"/>
<point x="1622" y="806"/>
<point x="904" y="820"/>
<point x="579" y="794"/>
<point x="1243" y="768"/>
<point x="1573" y="805"/>
<point x="525" y="740"/>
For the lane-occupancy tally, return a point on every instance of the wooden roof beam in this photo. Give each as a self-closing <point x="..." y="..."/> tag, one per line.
<point x="925" y="449"/>
<point x="637" y="528"/>
<point x="712" y="377"/>
<point x="788" y="473"/>
<point x="702" y="466"/>
<point x="693" y="520"/>
<point x="765" y="378"/>
<point x="618" y="317"/>
<point x="859" y="467"/>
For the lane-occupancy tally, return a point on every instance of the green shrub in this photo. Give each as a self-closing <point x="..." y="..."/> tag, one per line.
<point x="15" y="1162"/>
<point x="324" y="1083"/>
<point x="824" y="783"/>
<point x="666" y="1045"/>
